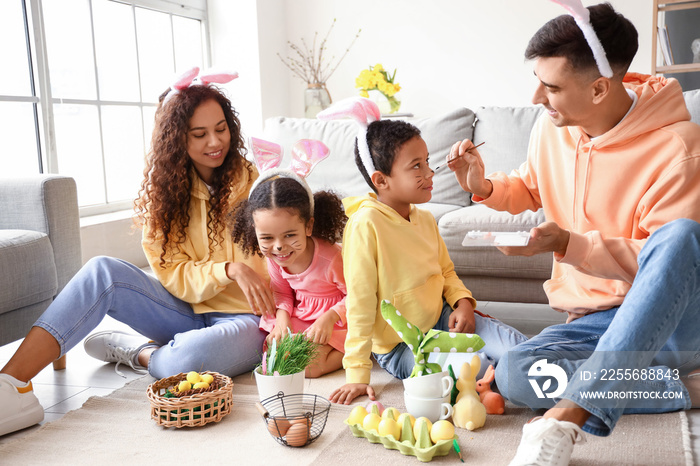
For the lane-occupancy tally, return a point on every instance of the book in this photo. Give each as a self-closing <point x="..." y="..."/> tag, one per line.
<point x="665" y="43"/>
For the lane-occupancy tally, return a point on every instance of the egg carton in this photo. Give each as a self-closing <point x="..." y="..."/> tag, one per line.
<point x="442" y="448"/>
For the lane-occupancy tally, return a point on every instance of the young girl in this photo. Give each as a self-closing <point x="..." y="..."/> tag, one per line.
<point x="297" y="233"/>
<point x="200" y="312"/>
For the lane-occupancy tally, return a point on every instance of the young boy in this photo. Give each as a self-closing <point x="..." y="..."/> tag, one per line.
<point x="393" y="250"/>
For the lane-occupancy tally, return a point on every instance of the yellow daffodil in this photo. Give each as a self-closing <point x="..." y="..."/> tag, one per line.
<point x="376" y="77"/>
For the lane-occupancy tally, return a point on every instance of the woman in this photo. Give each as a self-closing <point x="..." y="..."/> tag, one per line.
<point x="201" y="313"/>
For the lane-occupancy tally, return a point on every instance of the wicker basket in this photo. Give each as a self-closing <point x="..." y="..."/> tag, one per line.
<point x="195" y="407"/>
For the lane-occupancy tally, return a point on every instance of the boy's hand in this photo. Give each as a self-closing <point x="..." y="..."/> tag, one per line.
<point x="350" y="391"/>
<point x="322" y="329"/>
<point x="462" y="319"/>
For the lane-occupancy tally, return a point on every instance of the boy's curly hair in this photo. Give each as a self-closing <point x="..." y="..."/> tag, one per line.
<point x="286" y="193"/>
<point x="164" y="197"/>
<point x="384" y="139"/>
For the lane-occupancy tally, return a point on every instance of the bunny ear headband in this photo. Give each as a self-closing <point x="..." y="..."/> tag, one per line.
<point x="193" y="77"/>
<point x="363" y="111"/>
<point x="583" y="19"/>
<point x="306" y="154"/>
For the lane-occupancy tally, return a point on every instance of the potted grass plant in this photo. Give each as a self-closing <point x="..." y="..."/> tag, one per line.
<point x="283" y="365"/>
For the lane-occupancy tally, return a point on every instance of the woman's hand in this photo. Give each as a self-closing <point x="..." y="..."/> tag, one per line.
<point x="256" y="291"/>
<point x="322" y="329"/>
<point x="350" y="391"/>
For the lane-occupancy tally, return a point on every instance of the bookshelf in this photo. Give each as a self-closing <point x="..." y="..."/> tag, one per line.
<point x="664" y="6"/>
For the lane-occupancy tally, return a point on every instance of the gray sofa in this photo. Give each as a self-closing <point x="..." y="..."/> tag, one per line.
<point x="489" y="274"/>
<point x="39" y="247"/>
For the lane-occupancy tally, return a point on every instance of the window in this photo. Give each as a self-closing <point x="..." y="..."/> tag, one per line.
<point x="82" y="83"/>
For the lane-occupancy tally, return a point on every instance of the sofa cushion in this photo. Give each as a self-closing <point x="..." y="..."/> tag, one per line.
<point x="507" y="129"/>
<point x="489" y="261"/>
<point x="437" y="209"/>
<point x="27" y="269"/>
<point x="692" y="100"/>
<point x="339" y="171"/>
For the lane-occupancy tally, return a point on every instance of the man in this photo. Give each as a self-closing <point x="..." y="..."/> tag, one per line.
<point x="615" y="163"/>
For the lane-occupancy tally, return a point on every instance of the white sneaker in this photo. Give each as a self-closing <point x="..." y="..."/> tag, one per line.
<point x="119" y="347"/>
<point x="19" y="407"/>
<point x="547" y="442"/>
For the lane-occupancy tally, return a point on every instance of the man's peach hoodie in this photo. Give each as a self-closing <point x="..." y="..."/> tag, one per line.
<point x="611" y="193"/>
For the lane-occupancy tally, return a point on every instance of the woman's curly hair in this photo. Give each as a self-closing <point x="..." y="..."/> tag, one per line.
<point x="286" y="193"/>
<point x="164" y="199"/>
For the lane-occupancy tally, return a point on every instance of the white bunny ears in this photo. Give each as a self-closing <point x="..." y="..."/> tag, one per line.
<point x="363" y="111"/>
<point x="306" y="154"/>
<point x="192" y="77"/>
<point x="583" y="20"/>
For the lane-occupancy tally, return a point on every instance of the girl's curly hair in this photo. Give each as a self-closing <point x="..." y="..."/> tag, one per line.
<point x="164" y="197"/>
<point x="287" y="193"/>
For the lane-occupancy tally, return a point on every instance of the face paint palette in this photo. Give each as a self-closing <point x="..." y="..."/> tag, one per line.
<point x="478" y="238"/>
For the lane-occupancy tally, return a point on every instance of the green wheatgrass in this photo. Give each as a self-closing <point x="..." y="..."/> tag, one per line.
<point x="294" y="353"/>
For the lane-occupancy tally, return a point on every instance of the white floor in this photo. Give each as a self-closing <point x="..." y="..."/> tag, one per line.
<point x="62" y="391"/>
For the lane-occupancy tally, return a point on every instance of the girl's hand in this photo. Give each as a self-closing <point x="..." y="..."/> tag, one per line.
<point x="350" y="391"/>
<point x="280" y="328"/>
<point x="254" y="288"/>
<point x="322" y="329"/>
<point x="276" y="334"/>
<point x="462" y="319"/>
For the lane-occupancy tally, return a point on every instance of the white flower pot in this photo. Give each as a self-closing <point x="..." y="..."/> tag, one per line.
<point x="270" y="385"/>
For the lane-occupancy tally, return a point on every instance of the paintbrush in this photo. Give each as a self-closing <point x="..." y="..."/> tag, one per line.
<point x="440" y="166"/>
<point x="456" y="445"/>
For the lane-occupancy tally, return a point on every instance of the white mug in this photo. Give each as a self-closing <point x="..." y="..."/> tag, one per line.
<point x="432" y="408"/>
<point x="436" y="385"/>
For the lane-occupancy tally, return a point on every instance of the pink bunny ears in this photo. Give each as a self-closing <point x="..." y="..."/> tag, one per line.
<point x="363" y="111"/>
<point x="192" y="77"/>
<point x="306" y="154"/>
<point x="583" y="19"/>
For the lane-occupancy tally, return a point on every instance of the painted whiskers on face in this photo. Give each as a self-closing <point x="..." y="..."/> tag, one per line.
<point x="284" y="238"/>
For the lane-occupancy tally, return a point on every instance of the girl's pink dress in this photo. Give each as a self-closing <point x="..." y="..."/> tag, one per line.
<point x="307" y="295"/>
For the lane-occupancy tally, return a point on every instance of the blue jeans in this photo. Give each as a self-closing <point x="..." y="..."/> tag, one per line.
<point x="499" y="338"/>
<point x="230" y="344"/>
<point x="634" y="353"/>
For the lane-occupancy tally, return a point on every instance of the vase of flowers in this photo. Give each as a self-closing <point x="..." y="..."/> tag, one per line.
<point x="313" y="66"/>
<point x="283" y="365"/>
<point x="377" y="84"/>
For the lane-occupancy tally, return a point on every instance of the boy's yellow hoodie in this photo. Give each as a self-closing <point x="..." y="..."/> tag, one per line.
<point x="610" y="193"/>
<point x="195" y="274"/>
<point x="388" y="257"/>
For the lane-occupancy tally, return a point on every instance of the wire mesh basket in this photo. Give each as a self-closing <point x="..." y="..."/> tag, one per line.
<point x="294" y="420"/>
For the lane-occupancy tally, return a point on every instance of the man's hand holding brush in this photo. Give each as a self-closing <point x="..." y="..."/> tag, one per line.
<point x="465" y="161"/>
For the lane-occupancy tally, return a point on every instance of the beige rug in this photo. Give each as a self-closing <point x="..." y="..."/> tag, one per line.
<point x="117" y="429"/>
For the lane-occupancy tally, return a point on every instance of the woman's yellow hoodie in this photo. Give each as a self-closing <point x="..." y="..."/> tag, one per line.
<point x="610" y="193"/>
<point x="386" y="256"/>
<point x="195" y="274"/>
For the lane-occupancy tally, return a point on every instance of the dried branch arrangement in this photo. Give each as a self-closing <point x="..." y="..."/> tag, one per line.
<point x="311" y="64"/>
